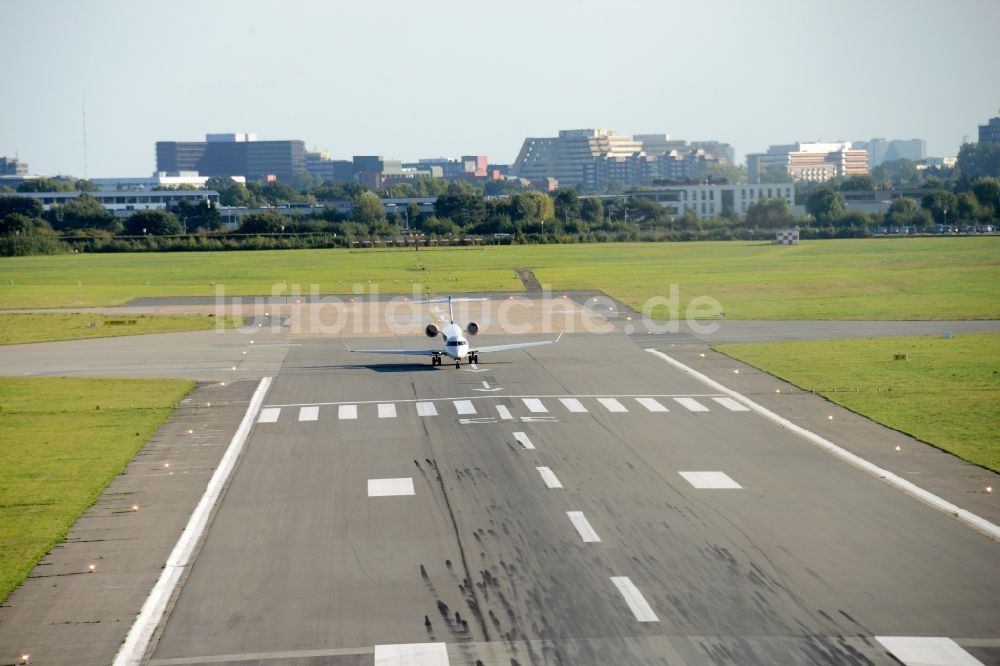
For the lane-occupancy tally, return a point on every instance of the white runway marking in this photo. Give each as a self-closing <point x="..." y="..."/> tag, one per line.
<point x="692" y="404"/>
<point x="731" y="405"/>
<point x="347" y="412"/>
<point x="633" y="597"/>
<point x="710" y="480"/>
<point x="927" y="651"/>
<point x="386" y="410"/>
<point x="426" y="409"/>
<point x="579" y="521"/>
<point x="464" y="406"/>
<point x="652" y="404"/>
<point x="309" y="413"/>
<point x="573" y="405"/>
<point x="413" y="654"/>
<point x="549" y="477"/>
<point x="523" y="440"/>
<point x="504" y="412"/>
<point x="612" y="405"/>
<point x="390" y="487"/>
<point x="269" y="415"/>
<point x="534" y="405"/>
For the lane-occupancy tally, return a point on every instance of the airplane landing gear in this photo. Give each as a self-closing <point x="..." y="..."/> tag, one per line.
<point x="435" y="360"/>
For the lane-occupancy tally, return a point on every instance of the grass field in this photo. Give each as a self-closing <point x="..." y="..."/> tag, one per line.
<point x="57" y="452"/>
<point x="21" y="328"/>
<point x="905" y="278"/>
<point x="947" y="393"/>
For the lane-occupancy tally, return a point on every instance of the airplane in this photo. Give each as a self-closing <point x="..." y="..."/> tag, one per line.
<point x="456" y="346"/>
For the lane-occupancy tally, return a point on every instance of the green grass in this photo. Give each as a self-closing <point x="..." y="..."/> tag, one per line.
<point x="947" y="393"/>
<point x="57" y="453"/>
<point x="46" y="327"/>
<point x="919" y="278"/>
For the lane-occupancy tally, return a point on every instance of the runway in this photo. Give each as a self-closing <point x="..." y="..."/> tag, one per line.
<point x="581" y="503"/>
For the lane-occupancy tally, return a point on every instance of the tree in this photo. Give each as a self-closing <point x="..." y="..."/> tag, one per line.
<point x="23" y="205"/>
<point x="16" y="224"/>
<point x="592" y="210"/>
<point x="824" y="204"/>
<point x="979" y="159"/>
<point x="566" y="205"/>
<point x="440" y="227"/>
<point x="368" y="210"/>
<point x="987" y="192"/>
<point x="231" y="193"/>
<point x="465" y="208"/>
<point x="268" y="222"/>
<point x="83" y="185"/>
<point x="153" y="223"/>
<point x="861" y="182"/>
<point x="769" y="214"/>
<point x="44" y="185"/>
<point x="939" y="204"/>
<point x="968" y="208"/>
<point x="903" y="212"/>
<point x="83" y="212"/>
<point x="898" y="173"/>
<point x="413" y="214"/>
<point x="728" y="172"/>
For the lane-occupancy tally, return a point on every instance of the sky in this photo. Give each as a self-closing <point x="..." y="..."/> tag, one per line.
<point x="444" y="78"/>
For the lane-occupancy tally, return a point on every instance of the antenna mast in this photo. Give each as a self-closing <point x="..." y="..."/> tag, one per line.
<point x="84" y="104"/>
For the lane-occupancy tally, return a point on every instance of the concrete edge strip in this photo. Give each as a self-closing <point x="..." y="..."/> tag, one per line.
<point x="898" y="482"/>
<point x="133" y="650"/>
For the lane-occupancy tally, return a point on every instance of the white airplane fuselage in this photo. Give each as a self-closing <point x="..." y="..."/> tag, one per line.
<point x="455" y="344"/>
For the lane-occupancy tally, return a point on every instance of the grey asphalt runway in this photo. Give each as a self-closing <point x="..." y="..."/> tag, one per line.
<point x="562" y="505"/>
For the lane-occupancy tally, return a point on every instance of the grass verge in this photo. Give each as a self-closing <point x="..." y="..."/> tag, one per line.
<point x="901" y="278"/>
<point x="946" y="392"/>
<point x="58" y="452"/>
<point x="18" y="328"/>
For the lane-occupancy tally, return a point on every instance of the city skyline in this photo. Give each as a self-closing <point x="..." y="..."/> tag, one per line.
<point x="412" y="82"/>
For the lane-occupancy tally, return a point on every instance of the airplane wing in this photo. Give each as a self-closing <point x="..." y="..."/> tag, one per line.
<point x="404" y="352"/>
<point x="516" y="345"/>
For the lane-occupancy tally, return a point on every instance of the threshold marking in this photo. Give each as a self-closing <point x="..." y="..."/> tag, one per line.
<point x="412" y="654"/>
<point x="523" y="440"/>
<point x="612" y="405"/>
<point x="504" y="413"/>
<point x="269" y="415"/>
<point x="426" y="409"/>
<point x="347" y="412"/>
<point x="390" y="487"/>
<point x="692" y="404"/>
<point x="386" y="410"/>
<point x="549" y="477"/>
<point x="534" y="405"/>
<point x="309" y="413"/>
<point x="927" y="651"/>
<point x="573" y="405"/>
<point x="464" y="406"/>
<point x="586" y="532"/>
<point x="633" y="597"/>
<point x="731" y="405"/>
<point x="710" y="480"/>
<point x="652" y="404"/>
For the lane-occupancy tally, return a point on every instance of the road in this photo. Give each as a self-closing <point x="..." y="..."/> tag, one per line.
<point x="561" y="505"/>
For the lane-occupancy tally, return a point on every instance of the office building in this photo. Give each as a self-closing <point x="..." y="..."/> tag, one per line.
<point x="566" y="157"/>
<point x="124" y="204"/>
<point x="990" y="132"/>
<point x="233" y="155"/>
<point x="11" y="166"/>
<point x="708" y="201"/>
<point x="812" y="162"/>
<point x="881" y="150"/>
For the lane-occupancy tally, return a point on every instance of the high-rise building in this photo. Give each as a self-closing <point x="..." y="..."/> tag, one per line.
<point x="881" y="150"/>
<point x="567" y="157"/>
<point x="815" y="162"/>
<point x="990" y="132"/>
<point x="11" y="166"/>
<point x="233" y="155"/>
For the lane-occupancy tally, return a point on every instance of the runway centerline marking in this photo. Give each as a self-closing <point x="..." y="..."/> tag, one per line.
<point x="464" y="406"/>
<point x="573" y="405"/>
<point x="731" y="405"/>
<point x="691" y="404"/>
<point x="549" y="477"/>
<point x="347" y="412"/>
<point x="583" y="527"/>
<point x="310" y="413"/>
<point x="652" y="404"/>
<point x="523" y="440"/>
<point x="927" y="651"/>
<point x="710" y="480"/>
<point x="390" y="487"/>
<point x="633" y="597"/>
<point x="412" y="654"/>
<point x="534" y="405"/>
<point x="612" y="405"/>
<point x="426" y="409"/>
<point x="386" y="410"/>
<point x="269" y="415"/>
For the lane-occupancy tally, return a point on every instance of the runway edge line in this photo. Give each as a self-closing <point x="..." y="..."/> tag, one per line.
<point x="898" y="482"/>
<point x="133" y="650"/>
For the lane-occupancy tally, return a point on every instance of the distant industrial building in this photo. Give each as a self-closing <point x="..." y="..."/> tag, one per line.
<point x="813" y="162"/>
<point x="990" y="132"/>
<point x="11" y="166"/>
<point x="595" y="158"/>
<point x="124" y="204"/>
<point x="708" y="201"/>
<point x="157" y="181"/>
<point x="881" y="150"/>
<point x="233" y="155"/>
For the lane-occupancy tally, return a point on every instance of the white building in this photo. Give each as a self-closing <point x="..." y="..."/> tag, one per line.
<point x="708" y="201"/>
<point x="158" y="181"/>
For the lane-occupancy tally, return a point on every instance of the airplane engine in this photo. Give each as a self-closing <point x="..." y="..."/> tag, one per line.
<point x="472" y="328"/>
<point x="431" y="331"/>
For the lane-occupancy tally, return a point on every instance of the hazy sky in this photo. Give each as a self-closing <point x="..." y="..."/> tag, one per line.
<point x="409" y="79"/>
